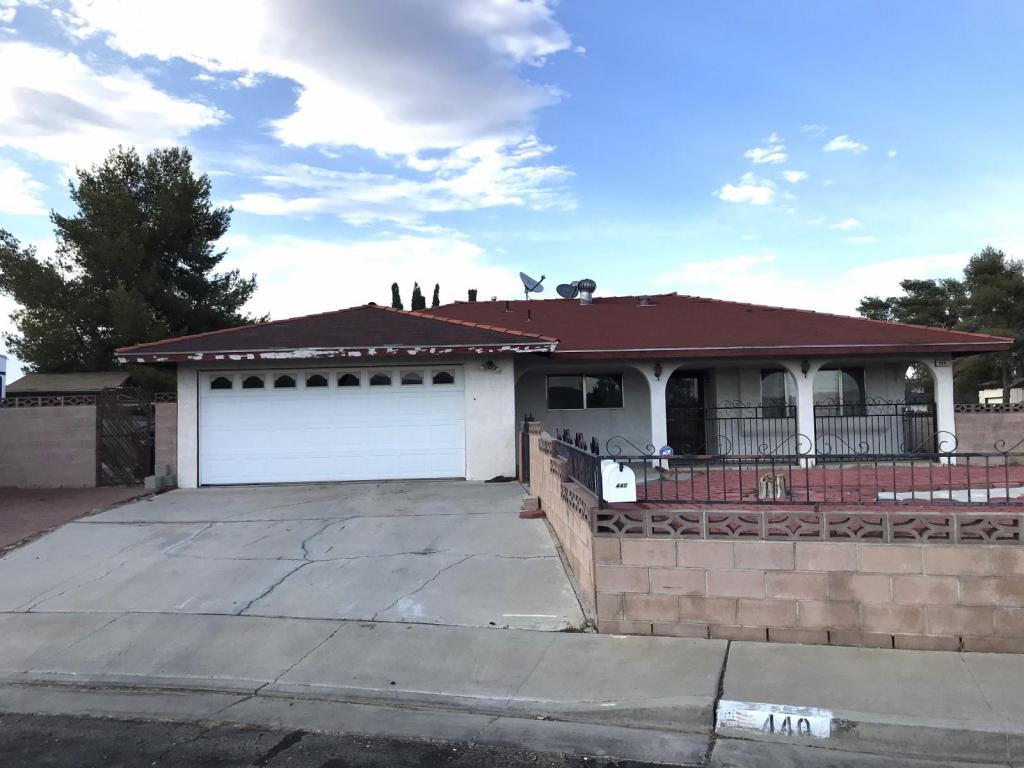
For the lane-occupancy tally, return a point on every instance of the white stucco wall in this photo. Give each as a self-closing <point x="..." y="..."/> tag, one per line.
<point x="188" y="426"/>
<point x="489" y="411"/>
<point x="490" y="419"/>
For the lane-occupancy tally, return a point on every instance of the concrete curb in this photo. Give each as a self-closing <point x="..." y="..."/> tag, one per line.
<point x="206" y="707"/>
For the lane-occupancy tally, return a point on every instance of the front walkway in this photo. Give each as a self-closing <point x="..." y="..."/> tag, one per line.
<point x="429" y="552"/>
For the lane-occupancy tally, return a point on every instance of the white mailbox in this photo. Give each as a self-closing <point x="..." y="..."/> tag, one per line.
<point x="618" y="482"/>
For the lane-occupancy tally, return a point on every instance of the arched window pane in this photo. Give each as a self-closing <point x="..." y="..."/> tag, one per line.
<point x="380" y="380"/>
<point x="412" y="377"/>
<point x="443" y="377"/>
<point x="221" y="382"/>
<point x="252" y="382"/>
<point x="284" y="382"/>
<point x="348" y="380"/>
<point x="316" y="380"/>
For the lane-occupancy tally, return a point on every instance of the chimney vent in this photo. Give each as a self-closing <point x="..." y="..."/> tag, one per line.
<point x="587" y="288"/>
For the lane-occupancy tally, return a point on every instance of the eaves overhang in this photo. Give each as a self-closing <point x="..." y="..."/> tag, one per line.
<point x="387" y="351"/>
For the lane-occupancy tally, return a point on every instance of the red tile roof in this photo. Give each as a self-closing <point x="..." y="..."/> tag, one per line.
<point x="690" y="326"/>
<point x="368" y="330"/>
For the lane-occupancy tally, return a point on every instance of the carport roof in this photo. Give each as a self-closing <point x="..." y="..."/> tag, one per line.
<point x="366" y="331"/>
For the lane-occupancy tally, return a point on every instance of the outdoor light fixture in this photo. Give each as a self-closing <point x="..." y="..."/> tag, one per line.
<point x="657" y="371"/>
<point x="805" y="367"/>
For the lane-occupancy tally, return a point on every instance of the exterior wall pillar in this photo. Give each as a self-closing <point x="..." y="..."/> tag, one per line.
<point x="941" y="369"/>
<point x="806" y="440"/>
<point x="188" y="426"/>
<point x="659" y="414"/>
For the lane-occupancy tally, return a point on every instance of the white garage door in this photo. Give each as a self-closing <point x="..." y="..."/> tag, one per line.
<point x="290" y="426"/>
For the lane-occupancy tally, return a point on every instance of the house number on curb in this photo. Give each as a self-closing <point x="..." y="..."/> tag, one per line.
<point x="774" y="719"/>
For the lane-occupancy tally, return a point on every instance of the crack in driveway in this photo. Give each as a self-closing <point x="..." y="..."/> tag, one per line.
<point x="275" y="585"/>
<point x="421" y="587"/>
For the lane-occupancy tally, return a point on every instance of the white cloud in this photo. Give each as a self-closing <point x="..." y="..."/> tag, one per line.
<point x="794" y="177"/>
<point x="862" y="239"/>
<point x="56" y="106"/>
<point x="844" y="143"/>
<point x="437" y="86"/>
<point x="813" y="129"/>
<point x="19" y="192"/>
<point x="761" y="279"/>
<point x="481" y="175"/>
<point x="772" y="152"/>
<point x="751" y="189"/>
<point x="850" y="223"/>
<point x="828" y="183"/>
<point x="892" y="153"/>
<point x="303" y="275"/>
<point x="394" y="76"/>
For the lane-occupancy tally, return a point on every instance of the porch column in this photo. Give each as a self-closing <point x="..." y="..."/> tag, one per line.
<point x="806" y="438"/>
<point x="941" y="369"/>
<point x="659" y="416"/>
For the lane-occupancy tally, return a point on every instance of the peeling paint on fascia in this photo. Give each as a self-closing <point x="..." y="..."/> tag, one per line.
<point x="354" y="353"/>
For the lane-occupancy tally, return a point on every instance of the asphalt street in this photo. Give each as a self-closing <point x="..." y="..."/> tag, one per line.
<point x="33" y="741"/>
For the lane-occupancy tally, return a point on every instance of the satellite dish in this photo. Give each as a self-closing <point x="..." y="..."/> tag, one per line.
<point x="569" y="290"/>
<point x="530" y="285"/>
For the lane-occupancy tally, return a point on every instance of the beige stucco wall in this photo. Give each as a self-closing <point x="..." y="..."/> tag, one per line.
<point x="981" y="431"/>
<point x="166" y="438"/>
<point x="48" y="447"/>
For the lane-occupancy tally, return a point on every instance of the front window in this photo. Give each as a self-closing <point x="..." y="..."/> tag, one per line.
<point x="841" y="391"/>
<point x="579" y="392"/>
<point x="776" y="394"/>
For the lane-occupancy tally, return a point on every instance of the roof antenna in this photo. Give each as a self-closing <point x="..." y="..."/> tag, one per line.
<point x="530" y="285"/>
<point x="569" y="290"/>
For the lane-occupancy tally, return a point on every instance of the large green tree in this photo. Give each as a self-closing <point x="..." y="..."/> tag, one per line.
<point x="135" y="262"/>
<point x="989" y="298"/>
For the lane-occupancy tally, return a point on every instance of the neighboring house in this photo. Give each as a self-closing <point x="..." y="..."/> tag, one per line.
<point x="65" y="384"/>
<point x="375" y="393"/>
<point x="992" y="392"/>
<point x="3" y="377"/>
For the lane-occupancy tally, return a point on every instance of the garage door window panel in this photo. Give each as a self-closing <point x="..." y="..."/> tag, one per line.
<point x="348" y="380"/>
<point x="316" y="381"/>
<point x="253" y="382"/>
<point x="412" y="378"/>
<point x="380" y="379"/>
<point x="284" y="381"/>
<point x="442" y="377"/>
<point x="222" y="382"/>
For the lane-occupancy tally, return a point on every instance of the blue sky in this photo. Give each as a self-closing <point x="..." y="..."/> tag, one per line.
<point x="794" y="153"/>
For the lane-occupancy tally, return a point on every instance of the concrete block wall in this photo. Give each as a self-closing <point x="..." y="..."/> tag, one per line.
<point x="166" y="438"/>
<point x="978" y="429"/>
<point x="927" y="595"/>
<point x="569" y="509"/>
<point x="48" y="447"/>
<point x="917" y="596"/>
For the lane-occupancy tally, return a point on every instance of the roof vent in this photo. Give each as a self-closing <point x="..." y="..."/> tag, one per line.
<point x="586" y="288"/>
<point x="645" y="301"/>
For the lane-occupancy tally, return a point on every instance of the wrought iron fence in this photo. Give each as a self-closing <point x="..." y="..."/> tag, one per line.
<point x="875" y="426"/>
<point x="732" y="427"/>
<point x="582" y="459"/>
<point x="944" y="475"/>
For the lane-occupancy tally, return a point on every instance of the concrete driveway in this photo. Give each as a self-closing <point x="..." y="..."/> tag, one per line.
<point x="449" y="553"/>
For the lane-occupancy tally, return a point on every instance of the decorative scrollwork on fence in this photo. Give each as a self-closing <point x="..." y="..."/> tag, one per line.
<point x="1000" y="446"/>
<point x="831" y="444"/>
<point x="617" y="446"/>
<point x="796" y="444"/>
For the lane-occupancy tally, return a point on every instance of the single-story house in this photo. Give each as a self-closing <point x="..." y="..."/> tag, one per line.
<point x="3" y="376"/>
<point x="376" y="393"/>
<point x="991" y="392"/>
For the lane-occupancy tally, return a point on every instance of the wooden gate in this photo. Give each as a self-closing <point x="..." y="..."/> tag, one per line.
<point x="124" y="436"/>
